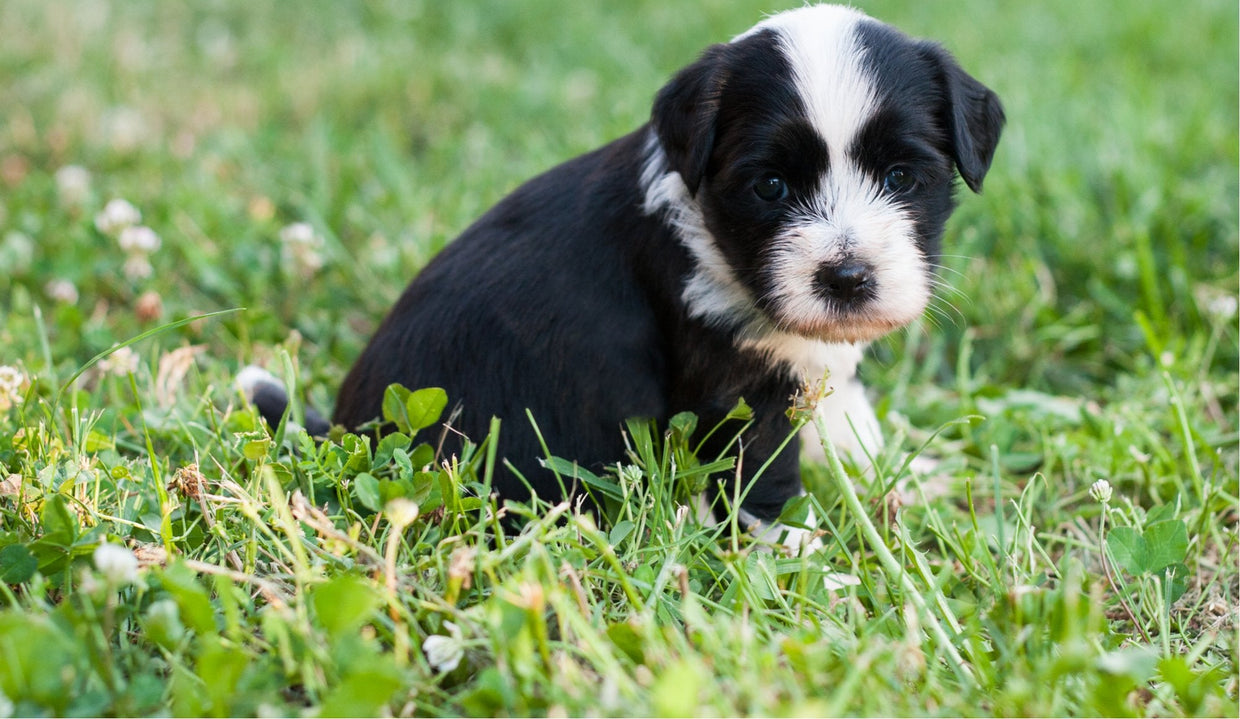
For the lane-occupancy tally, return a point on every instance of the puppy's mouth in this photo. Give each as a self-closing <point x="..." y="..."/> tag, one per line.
<point x="844" y="330"/>
<point x="843" y="301"/>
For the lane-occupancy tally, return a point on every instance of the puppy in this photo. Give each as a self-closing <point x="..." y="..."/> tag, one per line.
<point x="783" y="207"/>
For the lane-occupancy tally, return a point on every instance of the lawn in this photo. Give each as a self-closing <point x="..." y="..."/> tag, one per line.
<point x="186" y="188"/>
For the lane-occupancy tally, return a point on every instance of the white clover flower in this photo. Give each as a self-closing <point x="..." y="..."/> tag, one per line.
<point x="1223" y="306"/>
<point x="72" y="185"/>
<point x="137" y="239"/>
<point x="401" y="512"/>
<point x="445" y="652"/>
<point x="137" y="267"/>
<point x="89" y="584"/>
<point x="16" y="253"/>
<point x="122" y="362"/>
<point x="63" y="291"/>
<point x="117" y="564"/>
<point x="125" y="127"/>
<point x="11" y="381"/>
<point x="1100" y="491"/>
<point x="163" y="618"/>
<point x="301" y="248"/>
<point x="11" y="377"/>
<point x="298" y="233"/>
<point x="164" y="610"/>
<point x="6" y="705"/>
<point x="116" y="216"/>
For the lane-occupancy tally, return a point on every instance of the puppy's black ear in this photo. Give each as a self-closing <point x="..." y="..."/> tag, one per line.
<point x="684" y="115"/>
<point x="973" y="117"/>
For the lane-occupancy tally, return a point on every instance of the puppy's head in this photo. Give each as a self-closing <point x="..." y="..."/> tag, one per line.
<point x="810" y="166"/>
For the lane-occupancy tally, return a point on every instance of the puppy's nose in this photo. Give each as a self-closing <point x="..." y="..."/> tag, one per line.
<point x="848" y="281"/>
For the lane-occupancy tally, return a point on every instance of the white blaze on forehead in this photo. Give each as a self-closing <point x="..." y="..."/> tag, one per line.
<point x="829" y="70"/>
<point x="828" y="65"/>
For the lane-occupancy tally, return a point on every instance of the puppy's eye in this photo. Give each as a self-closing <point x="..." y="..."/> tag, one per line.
<point x="898" y="180"/>
<point x="771" y="188"/>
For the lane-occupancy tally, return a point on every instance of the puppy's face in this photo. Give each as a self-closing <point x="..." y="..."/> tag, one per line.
<point x="816" y="158"/>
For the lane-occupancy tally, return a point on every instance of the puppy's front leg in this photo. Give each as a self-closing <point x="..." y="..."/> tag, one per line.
<point x="796" y="540"/>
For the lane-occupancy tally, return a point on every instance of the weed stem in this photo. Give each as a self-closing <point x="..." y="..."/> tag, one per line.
<point x="893" y="568"/>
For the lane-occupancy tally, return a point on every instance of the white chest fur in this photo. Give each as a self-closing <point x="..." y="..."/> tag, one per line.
<point x="854" y="429"/>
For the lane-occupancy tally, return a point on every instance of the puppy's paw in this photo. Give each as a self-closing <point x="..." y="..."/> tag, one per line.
<point x="794" y="540"/>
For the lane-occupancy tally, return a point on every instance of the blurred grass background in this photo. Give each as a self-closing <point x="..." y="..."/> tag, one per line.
<point x="390" y="126"/>
<point x="1093" y="319"/>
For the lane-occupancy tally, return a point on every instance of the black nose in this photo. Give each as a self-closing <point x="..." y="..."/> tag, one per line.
<point x="847" y="281"/>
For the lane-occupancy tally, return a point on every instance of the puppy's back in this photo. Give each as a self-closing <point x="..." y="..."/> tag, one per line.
<point x="536" y="306"/>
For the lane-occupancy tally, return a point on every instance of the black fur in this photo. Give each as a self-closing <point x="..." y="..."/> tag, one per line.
<point x="924" y="87"/>
<point x="566" y="298"/>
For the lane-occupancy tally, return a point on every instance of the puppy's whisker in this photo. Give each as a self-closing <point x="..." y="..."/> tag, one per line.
<point x="938" y="315"/>
<point x="943" y="288"/>
<point x="948" y="269"/>
<point x="940" y="307"/>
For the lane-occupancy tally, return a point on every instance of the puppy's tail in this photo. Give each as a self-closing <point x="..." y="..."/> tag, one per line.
<point x="267" y="394"/>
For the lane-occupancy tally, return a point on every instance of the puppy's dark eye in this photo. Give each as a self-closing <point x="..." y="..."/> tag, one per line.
<point x="898" y="180"/>
<point x="771" y="189"/>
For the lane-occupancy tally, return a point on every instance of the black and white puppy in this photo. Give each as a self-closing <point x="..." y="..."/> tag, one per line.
<point x="783" y="207"/>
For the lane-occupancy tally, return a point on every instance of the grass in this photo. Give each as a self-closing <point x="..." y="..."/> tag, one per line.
<point x="1091" y="334"/>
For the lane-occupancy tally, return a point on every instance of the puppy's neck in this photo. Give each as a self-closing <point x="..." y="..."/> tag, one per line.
<point x="712" y="293"/>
